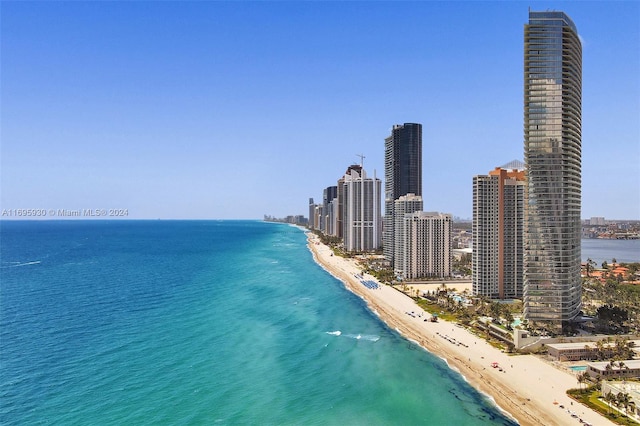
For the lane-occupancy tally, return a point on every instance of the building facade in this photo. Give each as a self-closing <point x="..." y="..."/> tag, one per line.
<point x="362" y="215"/>
<point x="498" y="232"/>
<point x="312" y="213"/>
<point x="426" y="246"/>
<point x="552" y="151"/>
<point x="328" y="195"/>
<point x="403" y="175"/>
<point x="630" y="368"/>
<point x="404" y="205"/>
<point x="340" y="212"/>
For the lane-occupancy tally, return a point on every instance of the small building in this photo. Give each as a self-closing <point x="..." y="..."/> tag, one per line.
<point x="575" y="351"/>
<point x="582" y="351"/>
<point x="629" y="368"/>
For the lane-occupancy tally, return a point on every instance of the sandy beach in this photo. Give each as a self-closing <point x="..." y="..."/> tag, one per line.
<point x="530" y="389"/>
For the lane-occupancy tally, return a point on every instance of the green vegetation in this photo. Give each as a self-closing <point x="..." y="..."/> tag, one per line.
<point x="592" y="398"/>
<point x="463" y="265"/>
<point x="385" y="276"/>
<point x="328" y="240"/>
<point x="615" y="303"/>
<point x="434" y="308"/>
<point x="612" y="350"/>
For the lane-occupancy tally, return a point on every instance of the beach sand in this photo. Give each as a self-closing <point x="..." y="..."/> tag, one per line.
<point x="528" y="388"/>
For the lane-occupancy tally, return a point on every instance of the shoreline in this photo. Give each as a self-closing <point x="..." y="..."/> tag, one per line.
<point x="525" y="388"/>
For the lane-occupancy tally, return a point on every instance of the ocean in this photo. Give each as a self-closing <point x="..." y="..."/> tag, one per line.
<point x="202" y="322"/>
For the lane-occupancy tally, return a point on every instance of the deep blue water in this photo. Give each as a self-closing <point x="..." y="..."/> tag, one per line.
<point x="202" y="322"/>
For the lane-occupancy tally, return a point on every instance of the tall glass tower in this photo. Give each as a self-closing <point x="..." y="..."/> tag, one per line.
<point x="403" y="174"/>
<point x="552" y="151"/>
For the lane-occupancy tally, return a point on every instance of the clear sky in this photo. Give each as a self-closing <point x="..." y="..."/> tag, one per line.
<point x="229" y="110"/>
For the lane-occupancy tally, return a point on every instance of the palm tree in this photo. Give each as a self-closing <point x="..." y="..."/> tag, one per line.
<point x="581" y="379"/>
<point x="599" y="382"/>
<point x="609" y="397"/>
<point x="616" y="400"/>
<point x="508" y="317"/>
<point x="588" y="267"/>
<point x="495" y="309"/>
<point x="626" y="373"/>
<point x="623" y="400"/>
<point x="609" y="367"/>
<point x="587" y="348"/>
<point x="587" y="378"/>
<point x="600" y="349"/>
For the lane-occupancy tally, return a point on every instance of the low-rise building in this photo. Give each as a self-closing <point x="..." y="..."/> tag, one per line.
<point x="582" y="351"/>
<point x="629" y="368"/>
<point x="576" y="351"/>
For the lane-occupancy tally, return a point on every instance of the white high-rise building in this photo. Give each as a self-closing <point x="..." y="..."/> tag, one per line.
<point x="406" y="204"/>
<point x="426" y="245"/>
<point x="362" y="211"/>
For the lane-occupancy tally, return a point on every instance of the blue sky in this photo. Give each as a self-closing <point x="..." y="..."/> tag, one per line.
<point x="232" y="110"/>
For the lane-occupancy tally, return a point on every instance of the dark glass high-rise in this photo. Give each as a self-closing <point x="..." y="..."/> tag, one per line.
<point x="552" y="151"/>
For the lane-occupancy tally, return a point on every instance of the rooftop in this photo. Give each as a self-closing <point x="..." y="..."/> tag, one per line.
<point x="577" y="345"/>
<point x="633" y="364"/>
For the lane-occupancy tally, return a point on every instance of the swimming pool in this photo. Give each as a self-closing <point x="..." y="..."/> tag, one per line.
<point x="578" y="367"/>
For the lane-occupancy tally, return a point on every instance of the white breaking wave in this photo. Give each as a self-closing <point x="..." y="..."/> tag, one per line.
<point x="35" y="262"/>
<point x="369" y="337"/>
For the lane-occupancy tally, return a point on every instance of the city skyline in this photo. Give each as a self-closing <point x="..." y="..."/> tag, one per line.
<point x="204" y="110"/>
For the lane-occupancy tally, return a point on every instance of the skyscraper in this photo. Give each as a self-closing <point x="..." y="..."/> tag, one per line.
<point x="403" y="174"/>
<point x="426" y="245"/>
<point x="340" y="212"/>
<point x="405" y="204"/>
<point x="328" y="195"/>
<point x="312" y="212"/>
<point x="361" y="211"/>
<point x="552" y="151"/>
<point x="498" y="214"/>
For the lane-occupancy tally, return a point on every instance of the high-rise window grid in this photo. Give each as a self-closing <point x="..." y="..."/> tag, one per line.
<point x="552" y="133"/>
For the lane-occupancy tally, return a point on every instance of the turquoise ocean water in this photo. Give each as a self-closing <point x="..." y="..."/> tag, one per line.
<point x="202" y="322"/>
